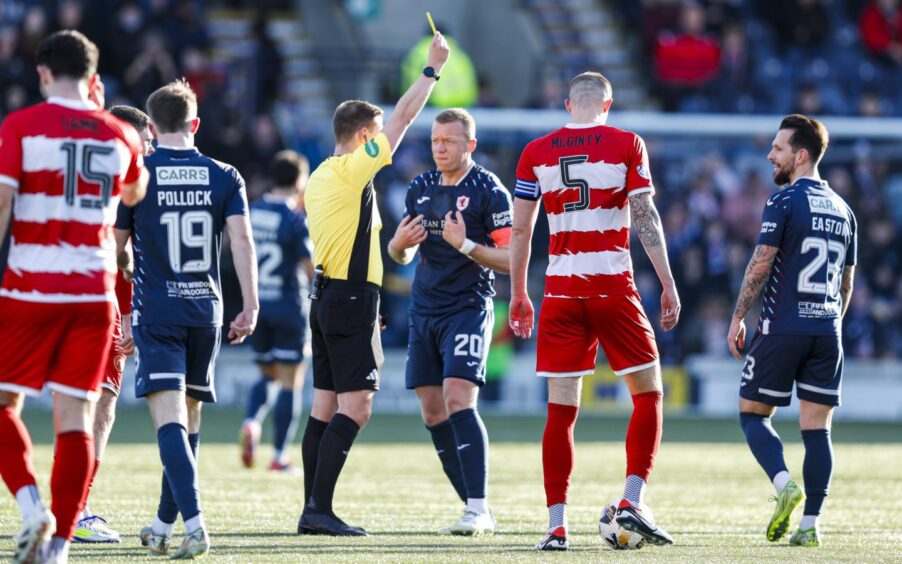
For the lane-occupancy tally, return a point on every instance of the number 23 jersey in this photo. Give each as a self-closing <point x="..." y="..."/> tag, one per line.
<point x="177" y="237"/>
<point x="816" y="235"/>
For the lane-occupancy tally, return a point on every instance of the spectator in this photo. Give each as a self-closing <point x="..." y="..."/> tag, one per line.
<point x="267" y="65"/>
<point x="153" y="66"/>
<point x="881" y="30"/>
<point x="808" y="100"/>
<point x="687" y="60"/>
<point x="798" y="23"/>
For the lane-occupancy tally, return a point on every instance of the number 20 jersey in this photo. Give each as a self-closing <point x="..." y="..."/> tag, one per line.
<point x="177" y="237"/>
<point x="584" y="174"/>
<point x="67" y="161"/>
<point x="816" y="235"/>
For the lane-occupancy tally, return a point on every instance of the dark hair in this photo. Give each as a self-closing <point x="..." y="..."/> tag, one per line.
<point x="807" y="133"/>
<point x="460" y="115"/>
<point x="287" y="166"/>
<point x="171" y="107"/>
<point x="350" y="116"/>
<point x="68" y="54"/>
<point x="132" y="116"/>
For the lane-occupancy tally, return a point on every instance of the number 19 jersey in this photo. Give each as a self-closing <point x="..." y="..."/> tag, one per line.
<point x="177" y="237"/>
<point x="817" y="237"/>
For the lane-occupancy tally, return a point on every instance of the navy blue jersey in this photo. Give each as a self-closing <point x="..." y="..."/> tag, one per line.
<point x="817" y="237"/>
<point x="446" y="279"/>
<point x="282" y="241"/>
<point x="177" y="237"/>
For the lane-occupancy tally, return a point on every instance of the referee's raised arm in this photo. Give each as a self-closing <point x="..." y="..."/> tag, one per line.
<point x="411" y="103"/>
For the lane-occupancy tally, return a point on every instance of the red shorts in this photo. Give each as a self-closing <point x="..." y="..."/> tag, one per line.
<point x="571" y="329"/>
<point x="62" y="346"/>
<point x="112" y="378"/>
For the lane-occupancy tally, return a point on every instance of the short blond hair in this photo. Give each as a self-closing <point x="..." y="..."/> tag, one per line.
<point x="461" y="115"/>
<point x="590" y="88"/>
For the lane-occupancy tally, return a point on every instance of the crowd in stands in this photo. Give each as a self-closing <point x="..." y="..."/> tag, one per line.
<point x="831" y="57"/>
<point x="144" y="44"/>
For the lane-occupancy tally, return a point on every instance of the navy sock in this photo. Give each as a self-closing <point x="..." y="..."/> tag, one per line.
<point x="817" y="468"/>
<point x="764" y="442"/>
<point x="473" y="450"/>
<point x="257" y="398"/>
<point x="333" y="451"/>
<point x="285" y="418"/>
<point x="446" y="447"/>
<point x="169" y="438"/>
<point x="313" y="434"/>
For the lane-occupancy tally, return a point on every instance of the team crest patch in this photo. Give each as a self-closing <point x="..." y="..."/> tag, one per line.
<point x="642" y="172"/>
<point x="463" y="202"/>
<point x="371" y="148"/>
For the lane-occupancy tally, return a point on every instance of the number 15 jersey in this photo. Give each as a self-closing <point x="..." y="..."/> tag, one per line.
<point x="177" y="237"/>
<point x="584" y="174"/>
<point x="816" y="235"/>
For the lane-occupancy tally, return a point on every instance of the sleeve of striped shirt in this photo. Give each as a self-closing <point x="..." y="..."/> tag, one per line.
<point x="638" y="173"/>
<point x="10" y="152"/>
<point x="527" y="186"/>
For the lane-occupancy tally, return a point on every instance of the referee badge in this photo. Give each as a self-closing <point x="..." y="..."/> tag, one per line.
<point x="463" y="202"/>
<point x="371" y="148"/>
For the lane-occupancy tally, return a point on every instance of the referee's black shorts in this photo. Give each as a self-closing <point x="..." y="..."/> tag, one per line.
<point x="347" y="346"/>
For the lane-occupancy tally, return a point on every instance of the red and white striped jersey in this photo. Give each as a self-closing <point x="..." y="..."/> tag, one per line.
<point x="68" y="162"/>
<point x="584" y="174"/>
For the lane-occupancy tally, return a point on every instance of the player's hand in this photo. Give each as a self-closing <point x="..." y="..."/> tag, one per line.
<point x="455" y="230"/>
<point x="521" y="316"/>
<point x="127" y="343"/>
<point x="410" y="233"/>
<point x="243" y="326"/>
<point x="736" y="337"/>
<point x="438" y="51"/>
<point x="670" y="308"/>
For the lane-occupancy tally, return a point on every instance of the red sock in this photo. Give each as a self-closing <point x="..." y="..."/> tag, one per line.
<point x="72" y="468"/>
<point x="15" y="452"/>
<point x="643" y="436"/>
<point x="91" y="480"/>
<point x="557" y="451"/>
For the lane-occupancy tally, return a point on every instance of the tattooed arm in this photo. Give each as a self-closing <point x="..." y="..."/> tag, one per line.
<point x="647" y="223"/>
<point x="845" y="290"/>
<point x="756" y="274"/>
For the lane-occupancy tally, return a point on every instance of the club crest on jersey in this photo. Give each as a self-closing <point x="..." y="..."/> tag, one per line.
<point x="463" y="202"/>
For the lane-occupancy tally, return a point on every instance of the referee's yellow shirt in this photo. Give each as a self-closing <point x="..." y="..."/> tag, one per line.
<point x="342" y="214"/>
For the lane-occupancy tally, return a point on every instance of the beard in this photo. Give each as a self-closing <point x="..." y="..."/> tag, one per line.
<point x="782" y="175"/>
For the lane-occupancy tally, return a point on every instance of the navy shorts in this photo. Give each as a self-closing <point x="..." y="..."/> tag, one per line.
<point x="452" y="345"/>
<point x="280" y="335"/>
<point x="774" y="362"/>
<point x="176" y="357"/>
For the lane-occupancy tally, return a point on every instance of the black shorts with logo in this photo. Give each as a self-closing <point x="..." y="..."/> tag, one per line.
<point x="347" y="345"/>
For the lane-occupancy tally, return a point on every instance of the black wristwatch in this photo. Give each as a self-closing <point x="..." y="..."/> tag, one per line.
<point x="430" y="73"/>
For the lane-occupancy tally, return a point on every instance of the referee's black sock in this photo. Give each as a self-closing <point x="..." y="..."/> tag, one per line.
<point x="333" y="451"/>
<point x="446" y="448"/>
<point x="313" y="434"/>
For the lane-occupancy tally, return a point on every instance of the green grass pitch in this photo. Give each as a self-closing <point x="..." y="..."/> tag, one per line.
<point x="706" y="490"/>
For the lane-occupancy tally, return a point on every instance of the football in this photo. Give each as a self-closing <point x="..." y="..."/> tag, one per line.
<point x="613" y="534"/>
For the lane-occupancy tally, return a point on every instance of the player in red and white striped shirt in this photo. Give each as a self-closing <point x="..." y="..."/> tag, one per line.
<point x="68" y="163"/>
<point x="593" y="180"/>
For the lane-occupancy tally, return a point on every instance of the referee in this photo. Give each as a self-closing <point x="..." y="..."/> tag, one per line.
<point x="344" y="228"/>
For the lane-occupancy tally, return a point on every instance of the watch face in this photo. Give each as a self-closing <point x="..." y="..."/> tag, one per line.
<point x="429" y="71"/>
